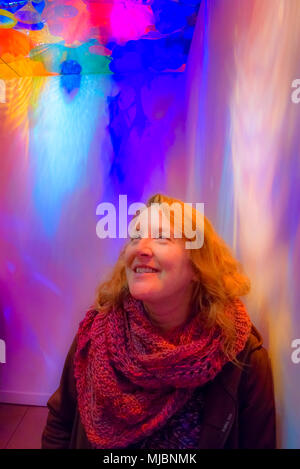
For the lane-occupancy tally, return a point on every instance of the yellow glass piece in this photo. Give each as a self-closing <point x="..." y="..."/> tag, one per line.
<point x="9" y="24"/>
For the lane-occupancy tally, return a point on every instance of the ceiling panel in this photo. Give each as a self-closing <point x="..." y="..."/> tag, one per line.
<point x="95" y="36"/>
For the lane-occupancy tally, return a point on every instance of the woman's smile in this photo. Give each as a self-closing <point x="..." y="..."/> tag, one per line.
<point x="143" y="270"/>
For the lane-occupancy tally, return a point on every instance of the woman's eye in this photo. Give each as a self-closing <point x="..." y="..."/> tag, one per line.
<point x="162" y="236"/>
<point x="133" y="238"/>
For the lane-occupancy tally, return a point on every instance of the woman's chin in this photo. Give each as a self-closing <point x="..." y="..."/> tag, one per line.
<point x="142" y="294"/>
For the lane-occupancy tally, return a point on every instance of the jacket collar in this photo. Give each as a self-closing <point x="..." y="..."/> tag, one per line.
<point x="258" y="337"/>
<point x="221" y="397"/>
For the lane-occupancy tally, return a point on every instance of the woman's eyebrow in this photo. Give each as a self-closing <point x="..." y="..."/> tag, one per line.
<point x="171" y="231"/>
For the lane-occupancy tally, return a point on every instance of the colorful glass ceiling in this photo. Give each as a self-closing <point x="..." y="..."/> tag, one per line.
<point x="94" y="36"/>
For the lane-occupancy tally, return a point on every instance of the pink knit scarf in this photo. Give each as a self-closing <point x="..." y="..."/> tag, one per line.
<point x="130" y="379"/>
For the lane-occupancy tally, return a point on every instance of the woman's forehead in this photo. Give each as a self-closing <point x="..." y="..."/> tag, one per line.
<point x="153" y="218"/>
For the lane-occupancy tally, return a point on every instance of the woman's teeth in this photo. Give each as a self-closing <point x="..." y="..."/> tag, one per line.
<point x="140" y="270"/>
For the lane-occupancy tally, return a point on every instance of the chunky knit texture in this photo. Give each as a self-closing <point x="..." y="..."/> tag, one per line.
<point x="183" y="429"/>
<point x="131" y="379"/>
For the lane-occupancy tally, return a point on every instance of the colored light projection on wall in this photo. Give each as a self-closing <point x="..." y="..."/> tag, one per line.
<point x="65" y="147"/>
<point x="94" y="36"/>
<point x="241" y="114"/>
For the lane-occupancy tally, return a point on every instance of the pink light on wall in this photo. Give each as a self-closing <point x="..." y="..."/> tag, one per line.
<point x="130" y="21"/>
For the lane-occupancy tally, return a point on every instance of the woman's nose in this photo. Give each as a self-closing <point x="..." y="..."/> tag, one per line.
<point x="143" y="247"/>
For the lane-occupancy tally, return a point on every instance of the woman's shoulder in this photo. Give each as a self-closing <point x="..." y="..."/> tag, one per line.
<point x="257" y="369"/>
<point x="255" y="353"/>
<point x="255" y="339"/>
<point x="254" y="359"/>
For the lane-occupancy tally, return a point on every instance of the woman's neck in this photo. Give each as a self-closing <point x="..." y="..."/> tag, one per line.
<point x="169" y="315"/>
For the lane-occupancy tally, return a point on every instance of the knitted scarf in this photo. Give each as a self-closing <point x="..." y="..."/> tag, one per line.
<point x="131" y="379"/>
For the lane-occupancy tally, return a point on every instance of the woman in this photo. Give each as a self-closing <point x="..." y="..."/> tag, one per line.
<point x="168" y="358"/>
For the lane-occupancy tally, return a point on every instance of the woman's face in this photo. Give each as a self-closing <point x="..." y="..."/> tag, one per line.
<point x="173" y="272"/>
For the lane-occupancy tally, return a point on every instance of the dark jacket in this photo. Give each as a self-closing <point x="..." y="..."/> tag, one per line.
<point x="239" y="410"/>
